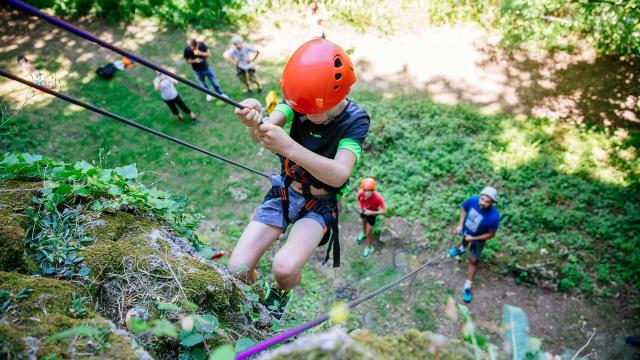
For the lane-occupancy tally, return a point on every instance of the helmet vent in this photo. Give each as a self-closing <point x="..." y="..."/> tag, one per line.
<point x="336" y="87"/>
<point x="338" y="76"/>
<point x="337" y="63"/>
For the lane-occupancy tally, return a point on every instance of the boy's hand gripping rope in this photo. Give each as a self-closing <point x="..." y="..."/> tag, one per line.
<point x="129" y="122"/>
<point x="59" y="23"/>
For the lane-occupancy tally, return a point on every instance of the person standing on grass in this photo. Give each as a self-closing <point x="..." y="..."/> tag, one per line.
<point x="26" y="67"/>
<point x="240" y="56"/>
<point x="371" y="205"/>
<point x="169" y="94"/>
<point x="479" y="221"/>
<point x="196" y="54"/>
<point x="317" y="156"/>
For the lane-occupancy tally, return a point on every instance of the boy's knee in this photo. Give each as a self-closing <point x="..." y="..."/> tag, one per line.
<point x="473" y="260"/>
<point x="284" y="269"/>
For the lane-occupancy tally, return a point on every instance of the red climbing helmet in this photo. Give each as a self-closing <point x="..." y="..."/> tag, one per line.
<point x="317" y="77"/>
<point x="368" y="184"/>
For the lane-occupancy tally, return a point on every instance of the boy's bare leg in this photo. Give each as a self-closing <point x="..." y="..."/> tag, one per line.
<point x="254" y="241"/>
<point x="305" y="236"/>
<point x="364" y="226"/>
<point x="369" y="232"/>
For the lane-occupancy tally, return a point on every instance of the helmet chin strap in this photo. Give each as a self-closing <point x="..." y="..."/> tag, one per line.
<point x="339" y="108"/>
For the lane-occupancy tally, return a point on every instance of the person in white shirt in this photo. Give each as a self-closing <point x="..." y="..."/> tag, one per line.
<point x="240" y="56"/>
<point x="168" y="92"/>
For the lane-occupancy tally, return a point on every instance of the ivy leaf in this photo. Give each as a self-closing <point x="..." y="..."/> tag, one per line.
<point x="189" y="305"/>
<point x="83" y="166"/>
<point x="30" y="158"/>
<point x="138" y="325"/>
<point x="10" y="160"/>
<point x="223" y="352"/>
<point x="515" y="321"/>
<point x="192" y="340"/>
<point x="206" y="323"/>
<point x="162" y="306"/>
<point x="114" y="190"/>
<point x="81" y="330"/>
<point x="81" y="191"/>
<point x="105" y="176"/>
<point x="243" y="344"/>
<point x="164" y="327"/>
<point x="84" y="272"/>
<point x="127" y="172"/>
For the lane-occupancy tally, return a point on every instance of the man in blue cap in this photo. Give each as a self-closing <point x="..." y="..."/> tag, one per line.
<point x="479" y="221"/>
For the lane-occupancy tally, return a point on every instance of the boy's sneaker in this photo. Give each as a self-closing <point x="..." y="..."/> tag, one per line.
<point x="455" y="251"/>
<point x="260" y="91"/>
<point x="209" y="98"/>
<point x="276" y="300"/>
<point x="367" y="252"/>
<point x="180" y="118"/>
<point x="361" y="238"/>
<point x="467" y="296"/>
<point x="248" y="92"/>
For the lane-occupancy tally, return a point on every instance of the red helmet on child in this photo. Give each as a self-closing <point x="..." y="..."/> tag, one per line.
<point x="368" y="184"/>
<point x="317" y="77"/>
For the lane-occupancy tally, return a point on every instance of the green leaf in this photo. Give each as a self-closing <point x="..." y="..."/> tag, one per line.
<point x="127" y="172"/>
<point x="515" y="321"/>
<point x="83" y="166"/>
<point x="198" y="354"/>
<point x="10" y="160"/>
<point x="164" y="327"/>
<point x="81" y="330"/>
<point x="192" y="340"/>
<point x="189" y="305"/>
<point x="81" y="191"/>
<point x="30" y="158"/>
<point x="114" y="190"/>
<point x="63" y="190"/>
<point x="206" y="323"/>
<point x="223" y="352"/>
<point x="138" y="325"/>
<point x="243" y="344"/>
<point x="162" y="306"/>
<point x="105" y="176"/>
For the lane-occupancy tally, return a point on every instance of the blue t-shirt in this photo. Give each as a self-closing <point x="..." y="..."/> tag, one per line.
<point x="479" y="221"/>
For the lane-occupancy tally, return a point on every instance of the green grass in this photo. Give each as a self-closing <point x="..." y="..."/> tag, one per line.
<point x="568" y="189"/>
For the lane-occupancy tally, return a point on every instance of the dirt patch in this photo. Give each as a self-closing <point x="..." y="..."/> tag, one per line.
<point x="561" y="320"/>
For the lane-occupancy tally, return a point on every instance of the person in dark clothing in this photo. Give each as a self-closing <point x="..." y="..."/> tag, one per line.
<point x="169" y="94"/>
<point x="196" y="54"/>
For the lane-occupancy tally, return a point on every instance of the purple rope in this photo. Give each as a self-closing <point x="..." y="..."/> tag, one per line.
<point x="295" y="331"/>
<point x="282" y="337"/>
<point x="87" y="36"/>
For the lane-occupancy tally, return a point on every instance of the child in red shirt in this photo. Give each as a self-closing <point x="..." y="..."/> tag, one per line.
<point x="371" y="205"/>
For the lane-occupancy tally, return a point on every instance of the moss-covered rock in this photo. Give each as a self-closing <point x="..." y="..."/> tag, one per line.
<point x="15" y="197"/>
<point x="335" y="344"/>
<point x="29" y="322"/>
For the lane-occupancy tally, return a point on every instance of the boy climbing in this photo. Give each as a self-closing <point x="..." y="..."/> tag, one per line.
<point x="317" y="157"/>
<point x="371" y="205"/>
<point x="479" y="221"/>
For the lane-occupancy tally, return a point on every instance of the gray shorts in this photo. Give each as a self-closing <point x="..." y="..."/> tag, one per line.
<point x="270" y="211"/>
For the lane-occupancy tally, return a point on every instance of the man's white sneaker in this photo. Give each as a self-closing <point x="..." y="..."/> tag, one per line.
<point x="209" y="98"/>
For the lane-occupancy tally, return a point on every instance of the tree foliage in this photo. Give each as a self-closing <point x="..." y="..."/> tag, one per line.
<point x="612" y="27"/>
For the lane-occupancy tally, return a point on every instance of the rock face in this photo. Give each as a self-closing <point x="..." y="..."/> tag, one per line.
<point x="135" y="262"/>
<point x="336" y="344"/>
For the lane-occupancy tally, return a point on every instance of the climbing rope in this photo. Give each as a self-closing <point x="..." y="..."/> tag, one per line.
<point x="83" y="34"/>
<point x="128" y="122"/>
<point x="295" y="331"/>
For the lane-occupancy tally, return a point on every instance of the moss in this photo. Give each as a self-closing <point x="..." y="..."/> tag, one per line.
<point x="119" y="226"/>
<point x="12" y="256"/>
<point x="51" y="294"/>
<point x="335" y="344"/>
<point x="17" y="195"/>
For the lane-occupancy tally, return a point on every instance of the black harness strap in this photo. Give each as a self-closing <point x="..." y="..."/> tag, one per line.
<point x="329" y="215"/>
